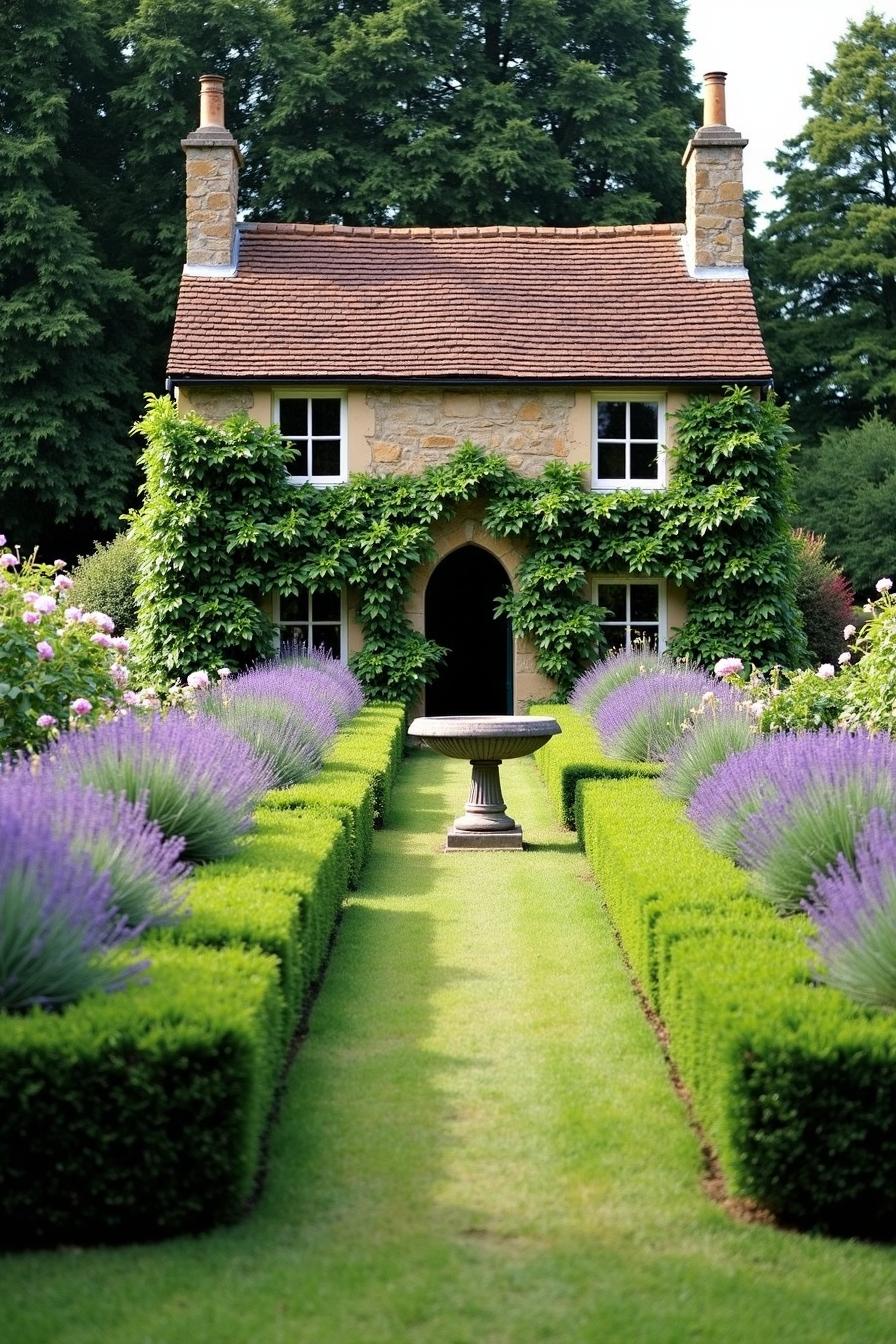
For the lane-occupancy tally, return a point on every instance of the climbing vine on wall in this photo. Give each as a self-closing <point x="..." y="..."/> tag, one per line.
<point x="221" y="526"/>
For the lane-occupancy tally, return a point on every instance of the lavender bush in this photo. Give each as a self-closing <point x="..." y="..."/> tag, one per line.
<point x="302" y="695"/>
<point x="199" y="781"/>
<point x="57" y="929"/>
<point x="271" y="727"/>
<point x="342" y="689"/>
<point x="714" y="733"/>
<point x="595" y="684"/>
<point x="853" y="906"/>
<point x="788" y="806"/>
<point x="117" y="837"/>
<point x="643" y="719"/>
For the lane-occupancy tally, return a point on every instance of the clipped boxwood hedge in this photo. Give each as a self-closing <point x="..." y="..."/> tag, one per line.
<point x="575" y="754"/>
<point x="281" y="892"/>
<point x="141" y="1113"/>
<point x="355" y="783"/>
<point x="794" y="1084"/>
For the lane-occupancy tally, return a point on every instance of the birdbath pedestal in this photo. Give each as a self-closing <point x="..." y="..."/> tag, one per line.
<point x="485" y="742"/>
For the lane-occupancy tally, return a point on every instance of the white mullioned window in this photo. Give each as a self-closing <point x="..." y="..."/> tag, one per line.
<point x="316" y="620"/>
<point x="628" y="442"/>
<point x="313" y="422"/>
<point x="635" y="611"/>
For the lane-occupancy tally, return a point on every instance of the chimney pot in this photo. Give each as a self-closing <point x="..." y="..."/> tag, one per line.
<point x="714" y="98"/>
<point x="211" y="101"/>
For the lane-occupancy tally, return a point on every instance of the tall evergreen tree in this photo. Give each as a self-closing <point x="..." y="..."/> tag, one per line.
<point x="506" y="111"/>
<point x="826" y="265"/>
<point x="67" y="368"/>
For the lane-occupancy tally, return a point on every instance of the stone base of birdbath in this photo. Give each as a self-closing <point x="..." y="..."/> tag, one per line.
<point x="485" y="742"/>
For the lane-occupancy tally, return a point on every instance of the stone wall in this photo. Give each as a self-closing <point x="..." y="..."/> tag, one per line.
<point x="415" y="427"/>
<point x="217" y="403"/>
<point x="212" y="186"/>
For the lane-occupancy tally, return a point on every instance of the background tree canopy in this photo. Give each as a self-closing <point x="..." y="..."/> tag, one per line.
<point x="412" y="111"/>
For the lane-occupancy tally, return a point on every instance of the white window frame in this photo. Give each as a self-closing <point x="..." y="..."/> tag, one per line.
<point x="631" y="580"/>
<point x="333" y="394"/>
<point x="343" y="621"/>
<point x="628" y="395"/>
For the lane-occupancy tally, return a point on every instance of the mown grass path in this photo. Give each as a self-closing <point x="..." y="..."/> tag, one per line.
<point x="478" y="1142"/>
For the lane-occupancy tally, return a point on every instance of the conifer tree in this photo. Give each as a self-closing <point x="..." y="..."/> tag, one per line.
<point x="827" y="262"/>
<point x="67" y="373"/>
<point x="439" y="112"/>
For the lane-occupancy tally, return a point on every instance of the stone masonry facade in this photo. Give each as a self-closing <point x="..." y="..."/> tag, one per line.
<point x="715" y="198"/>
<point x="416" y="427"/>
<point x="212" y="184"/>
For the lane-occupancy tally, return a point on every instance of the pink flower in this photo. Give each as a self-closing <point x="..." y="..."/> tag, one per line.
<point x="223" y="673"/>
<point x="30" y="598"/>
<point x="8" y="561"/>
<point x="59" y="564"/>
<point x="47" y="721"/>
<point x="81" y="707"/>
<point x="728" y="667"/>
<point x="131" y="698"/>
<point x="31" y="618"/>
<point x="2" y="539"/>
<point x="118" y="674"/>
<point x="197" y="681"/>
<point x="73" y="614"/>
<point x="102" y="640"/>
<point x="826" y="671"/>
<point x="121" y="645"/>
<point x="100" y="620"/>
<point x="62" y="581"/>
<point x="44" y="604"/>
<point x="44" y="651"/>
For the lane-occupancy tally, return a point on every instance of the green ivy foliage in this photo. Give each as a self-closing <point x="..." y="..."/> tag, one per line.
<point x="221" y="526"/>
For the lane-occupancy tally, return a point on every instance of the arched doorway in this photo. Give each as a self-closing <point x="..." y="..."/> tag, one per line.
<point x="476" y="676"/>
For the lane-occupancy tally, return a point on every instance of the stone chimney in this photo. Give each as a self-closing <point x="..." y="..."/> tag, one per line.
<point x="213" y="172"/>
<point x="713" y="161"/>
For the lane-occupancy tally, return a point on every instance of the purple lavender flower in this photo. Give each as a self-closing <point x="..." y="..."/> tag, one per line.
<point x="143" y="867"/>
<point x="595" y="684"/>
<point x="853" y="907"/>
<point x="342" y="690"/>
<point x="199" y="781"/>
<point x="272" y="728"/>
<point x="782" y="804"/>
<point x="57" y="925"/>
<point x="308" y="694"/>
<point x="642" y="719"/>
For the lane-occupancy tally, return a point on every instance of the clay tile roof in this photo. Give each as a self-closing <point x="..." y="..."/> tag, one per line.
<point x="322" y="301"/>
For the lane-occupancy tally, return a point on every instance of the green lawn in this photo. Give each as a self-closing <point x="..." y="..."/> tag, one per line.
<point x="478" y="1143"/>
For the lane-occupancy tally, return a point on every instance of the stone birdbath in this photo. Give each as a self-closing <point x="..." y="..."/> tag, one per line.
<point x="485" y="742"/>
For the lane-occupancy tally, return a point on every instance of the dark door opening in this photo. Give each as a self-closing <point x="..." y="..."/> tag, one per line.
<point x="476" y="676"/>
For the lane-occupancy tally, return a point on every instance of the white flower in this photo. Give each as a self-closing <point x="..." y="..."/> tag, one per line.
<point x="826" y="671"/>
<point x="223" y="673"/>
<point x="844" y="659"/>
<point x="197" y="681"/>
<point x="884" y="585"/>
<point x="848" y="631"/>
<point x="728" y="667"/>
<point x="758" y="708"/>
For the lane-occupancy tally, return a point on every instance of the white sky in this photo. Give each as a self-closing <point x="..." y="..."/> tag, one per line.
<point x="767" y="47"/>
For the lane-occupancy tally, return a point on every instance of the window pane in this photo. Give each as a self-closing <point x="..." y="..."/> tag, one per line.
<point x="327" y="637"/>
<point x="297" y="462"/>
<point x="612" y="596"/>
<point x="615" y="637"/>
<point x="645" y="598"/>
<point x="611" y="419"/>
<point x="324" y="457"/>
<point x="327" y="606"/>
<point x="326" y="415"/>
<point x="293" y="415"/>
<point x="644" y="462"/>
<point x="294" y="607"/>
<point x="645" y="419"/>
<point x="645" y="637"/>
<point x="611" y="461"/>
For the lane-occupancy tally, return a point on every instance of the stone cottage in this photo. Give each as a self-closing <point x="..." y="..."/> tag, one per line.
<point x="381" y="350"/>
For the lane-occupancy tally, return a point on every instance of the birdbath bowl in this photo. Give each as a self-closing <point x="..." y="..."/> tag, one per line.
<point x="485" y="742"/>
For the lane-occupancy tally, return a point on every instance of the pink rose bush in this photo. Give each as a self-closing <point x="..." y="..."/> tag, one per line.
<point x="52" y="674"/>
